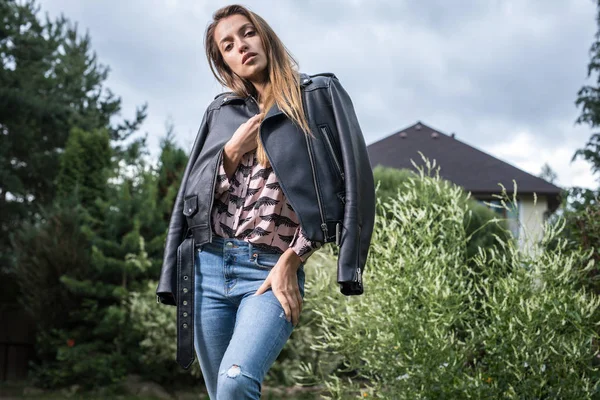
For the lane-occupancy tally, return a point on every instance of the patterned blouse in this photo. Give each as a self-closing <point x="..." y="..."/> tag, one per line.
<point x="251" y="206"/>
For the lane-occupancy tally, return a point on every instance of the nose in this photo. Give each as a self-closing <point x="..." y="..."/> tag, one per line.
<point x="242" y="46"/>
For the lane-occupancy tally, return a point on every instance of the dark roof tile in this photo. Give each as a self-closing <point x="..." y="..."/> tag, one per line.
<point x="460" y="163"/>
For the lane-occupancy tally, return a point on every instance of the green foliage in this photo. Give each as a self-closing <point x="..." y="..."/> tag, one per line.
<point x="85" y="166"/>
<point x="431" y="326"/>
<point x="46" y="251"/>
<point x="481" y="224"/>
<point x="157" y="326"/>
<point x="106" y="221"/>
<point x="581" y="232"/>
<point x="390" y="181"/>
<point x="320" y="288"/>
<point x="588" y="98"/>
<point x="51" y="89"/>
<point x="89" y="364"/>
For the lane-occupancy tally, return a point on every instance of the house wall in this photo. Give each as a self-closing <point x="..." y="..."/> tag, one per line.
<point x="526" y="221"/>
<point x="531" y="220"/>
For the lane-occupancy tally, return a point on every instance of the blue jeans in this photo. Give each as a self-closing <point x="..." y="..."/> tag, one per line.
<point x="237" y="337"/>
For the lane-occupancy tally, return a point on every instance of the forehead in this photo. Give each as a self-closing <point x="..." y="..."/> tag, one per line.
<point x="229" y="26"/>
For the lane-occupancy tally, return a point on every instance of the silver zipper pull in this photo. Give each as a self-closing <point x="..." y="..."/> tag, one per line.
<point x="338" y="234"/>
<point x="325" y="230"/>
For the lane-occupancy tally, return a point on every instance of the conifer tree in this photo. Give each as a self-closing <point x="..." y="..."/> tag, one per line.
<point x="50" y="83"/>
<point x="588" y="98"/>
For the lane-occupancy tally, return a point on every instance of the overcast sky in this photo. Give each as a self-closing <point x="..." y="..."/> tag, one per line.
<point x="502" y="74"/>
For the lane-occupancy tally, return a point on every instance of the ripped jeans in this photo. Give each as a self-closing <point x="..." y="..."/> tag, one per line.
<point x="237" y="337"/>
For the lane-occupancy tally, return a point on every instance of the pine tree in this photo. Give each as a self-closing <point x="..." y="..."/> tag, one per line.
<point x="588" y="98"/>
<point x="50" y="83"/>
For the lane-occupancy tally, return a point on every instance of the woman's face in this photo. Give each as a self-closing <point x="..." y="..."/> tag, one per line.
<point x="241" y="47"/>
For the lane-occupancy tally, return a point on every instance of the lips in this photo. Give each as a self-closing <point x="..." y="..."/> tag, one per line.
<point x="246" y="56"/>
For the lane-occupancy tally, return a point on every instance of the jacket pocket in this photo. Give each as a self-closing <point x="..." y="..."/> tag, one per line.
<point x="190" y="206"/>
<point x="332" y="146"/>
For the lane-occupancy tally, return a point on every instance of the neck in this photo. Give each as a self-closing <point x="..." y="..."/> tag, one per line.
<point x="261" y="88"/>
<point x="261" y="85"/>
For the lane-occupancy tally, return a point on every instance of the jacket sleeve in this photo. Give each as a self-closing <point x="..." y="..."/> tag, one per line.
<point x="359" y="209"/>
<point x="167" y="284"/>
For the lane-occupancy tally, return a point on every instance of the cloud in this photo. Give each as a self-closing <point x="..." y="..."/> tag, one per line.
<point x="488" y="71"/>
<point x="523" y="151"/>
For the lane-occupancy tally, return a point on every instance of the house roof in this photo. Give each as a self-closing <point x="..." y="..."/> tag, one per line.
<point x="460" y="163"/>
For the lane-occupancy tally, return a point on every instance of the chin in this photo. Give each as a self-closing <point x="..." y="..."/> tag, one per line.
<point x="256" y="73"/>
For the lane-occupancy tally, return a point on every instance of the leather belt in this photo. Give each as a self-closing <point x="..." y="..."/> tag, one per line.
<point x="185" y="303"/>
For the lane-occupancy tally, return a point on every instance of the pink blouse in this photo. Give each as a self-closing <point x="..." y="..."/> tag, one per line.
<point x="251" y="206"/>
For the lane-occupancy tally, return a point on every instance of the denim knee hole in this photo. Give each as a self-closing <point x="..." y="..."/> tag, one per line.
<point x="234" y="371"/>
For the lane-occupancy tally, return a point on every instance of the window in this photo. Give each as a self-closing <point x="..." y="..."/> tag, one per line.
<point x="511" y="215"/>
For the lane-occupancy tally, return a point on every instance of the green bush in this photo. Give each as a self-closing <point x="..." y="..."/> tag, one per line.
<point x="582" y="231"/>
<point x="437" y="323"/>
<point x="157" y="325"/>
<point x="480" y="223"/>
<point x="320" y="286"/>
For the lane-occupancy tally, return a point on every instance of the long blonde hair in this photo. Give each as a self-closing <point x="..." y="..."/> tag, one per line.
<point x="283" y="77"/>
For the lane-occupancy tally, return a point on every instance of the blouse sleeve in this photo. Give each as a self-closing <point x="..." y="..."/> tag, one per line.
<point x="303" y="246"/>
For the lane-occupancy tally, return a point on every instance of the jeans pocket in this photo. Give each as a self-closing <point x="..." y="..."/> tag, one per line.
<point x="265" y="261"/>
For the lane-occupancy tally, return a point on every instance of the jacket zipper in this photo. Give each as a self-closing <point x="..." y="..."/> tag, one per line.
<point x="335" y="159"/>
<point x="312" y="167"/>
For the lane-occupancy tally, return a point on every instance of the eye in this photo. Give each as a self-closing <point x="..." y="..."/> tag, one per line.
<point x="228" y="47"/>
<point x="250" y="33"/>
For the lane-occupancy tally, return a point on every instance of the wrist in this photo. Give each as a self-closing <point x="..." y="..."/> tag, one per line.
<point x="293" y="259"/>
<point x="231" y="153"/>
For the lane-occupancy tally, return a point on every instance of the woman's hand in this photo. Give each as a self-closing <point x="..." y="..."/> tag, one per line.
<point x="283" y="280"/>
<point x="242" y="141"/>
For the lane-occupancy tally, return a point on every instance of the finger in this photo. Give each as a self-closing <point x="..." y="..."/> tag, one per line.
<point x="295" y="310"/>
<point x="300" y="301"/>
<point x="254" y="122"/>
<point x="263" y="288"/>
<point x="293" y="305"/>
<point x="286" y="306"/>
<point x="251" y="120"/>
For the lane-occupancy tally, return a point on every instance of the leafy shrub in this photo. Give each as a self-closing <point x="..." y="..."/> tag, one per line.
<point x="581" y="231"/>
<point x="430" y="325"/>
<point x="157" y="325"/>
<point x="320" y="285"/>
<point x="480" y="224"/>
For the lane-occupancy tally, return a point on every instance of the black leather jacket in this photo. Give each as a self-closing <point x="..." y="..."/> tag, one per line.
<point x="327" y="179"/>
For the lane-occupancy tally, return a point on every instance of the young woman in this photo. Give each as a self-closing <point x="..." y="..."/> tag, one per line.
<point x="278" y="168"/>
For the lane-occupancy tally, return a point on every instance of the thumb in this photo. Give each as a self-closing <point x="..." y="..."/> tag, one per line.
<point x="263" y="288"/>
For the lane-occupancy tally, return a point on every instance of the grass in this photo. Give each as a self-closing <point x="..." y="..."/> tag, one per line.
<point x="14" y="390"/>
